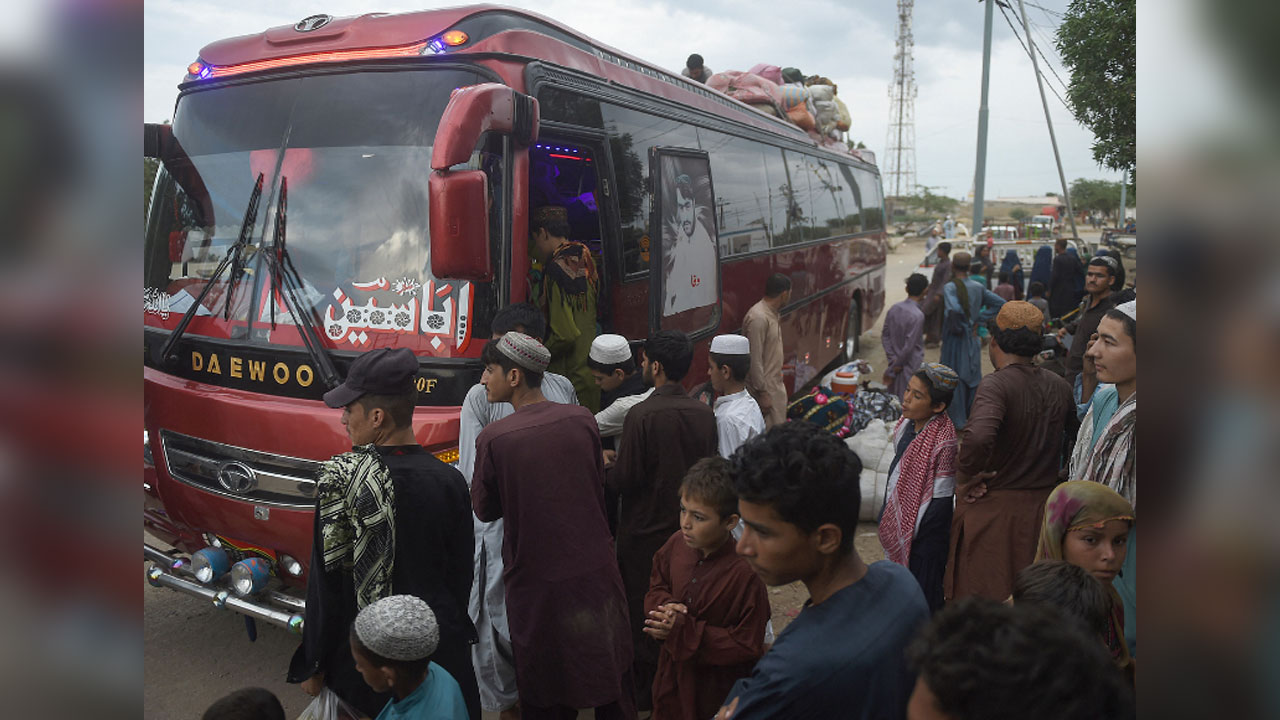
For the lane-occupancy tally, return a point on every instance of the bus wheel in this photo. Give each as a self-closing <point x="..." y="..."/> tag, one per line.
<point x="853" y="335"/>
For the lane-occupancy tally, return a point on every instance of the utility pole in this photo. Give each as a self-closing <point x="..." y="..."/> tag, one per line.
<point x="1031" y="50"/>
<point x="980" y="171"/>
<point x="1124" y="186"/>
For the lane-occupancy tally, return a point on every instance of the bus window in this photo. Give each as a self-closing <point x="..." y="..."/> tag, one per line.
<point x="872" y="202"/>
<point x="631" y="135"/>
<point x="828" y="193"/>
<point x="790" y="203"/>
<point x="688" y="288"/>
<point x="742" y="193"/>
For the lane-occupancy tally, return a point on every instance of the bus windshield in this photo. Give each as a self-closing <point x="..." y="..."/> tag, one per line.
<point x="345" y="159"/>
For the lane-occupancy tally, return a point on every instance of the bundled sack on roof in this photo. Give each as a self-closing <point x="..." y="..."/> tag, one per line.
<point x="792" y="75"/>
<point x="747" y="87"/>
<point x="827" y="116"/>
<point x="772" y="73"/>
<point x="845" y="120"/>
<point x="793" y="95"/>
<point x="801" y="116"/>
<point x="822" y="92"/>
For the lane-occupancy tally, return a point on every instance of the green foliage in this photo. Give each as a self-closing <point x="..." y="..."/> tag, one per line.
<point x="149" y="168"/>
<point x="1097" y="42"/>
<point x="1100" y="195"/>
<point x="1019" y="213"/>
<point x="931" y="204"/>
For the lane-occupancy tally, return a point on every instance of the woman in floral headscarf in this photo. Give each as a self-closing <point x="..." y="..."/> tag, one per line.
<point x="1087" y="524"/>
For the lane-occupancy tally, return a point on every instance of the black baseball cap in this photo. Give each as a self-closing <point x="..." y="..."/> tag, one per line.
<point x="378" y="372"/>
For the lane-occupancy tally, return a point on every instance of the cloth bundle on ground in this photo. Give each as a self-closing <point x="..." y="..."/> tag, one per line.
<point x="874" y="447"/>
<point x="772" y="73"/>
<point x="822" y="407"/>
<point x="747" y="87"/>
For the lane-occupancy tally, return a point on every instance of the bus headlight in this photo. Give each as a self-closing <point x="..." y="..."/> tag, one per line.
<point x="290" y="564"/>
<point x="210" y="564"/>
<point x="249" y="576"/>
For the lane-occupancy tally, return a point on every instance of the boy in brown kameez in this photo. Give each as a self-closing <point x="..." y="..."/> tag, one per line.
<point x="705" y="605"/>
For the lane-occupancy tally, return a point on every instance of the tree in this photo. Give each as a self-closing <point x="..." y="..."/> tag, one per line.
<point x="1019" y="214"/>
<point x="931" y="204"/>
<point x="1100" y="195"/>
<point x="1097" y="42"/>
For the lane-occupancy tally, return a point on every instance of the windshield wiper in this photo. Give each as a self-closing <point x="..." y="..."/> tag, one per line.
<point x="285" y="280"/>
<point x="233" y="256"/>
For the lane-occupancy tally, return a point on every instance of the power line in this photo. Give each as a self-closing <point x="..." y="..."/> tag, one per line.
<point x="1046" y="60"/>
<point x="1046" y="10"/>
<point x="1028" y="52"/>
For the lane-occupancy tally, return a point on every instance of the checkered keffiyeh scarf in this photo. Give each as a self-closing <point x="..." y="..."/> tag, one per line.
<point x="930" y="456"/>
<point x="356" y="503"/>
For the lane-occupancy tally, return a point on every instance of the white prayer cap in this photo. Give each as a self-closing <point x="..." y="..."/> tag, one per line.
<point x="399" y="627"/>
<point x="610" y="350"/>
<point x="730" y="345"/>
<point x="1130" y="308"/>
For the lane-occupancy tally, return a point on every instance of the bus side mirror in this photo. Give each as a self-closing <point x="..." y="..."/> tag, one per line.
<point x="459" y="205"/>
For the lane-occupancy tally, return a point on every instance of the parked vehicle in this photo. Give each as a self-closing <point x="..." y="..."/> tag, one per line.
<point x="353" y="183"/>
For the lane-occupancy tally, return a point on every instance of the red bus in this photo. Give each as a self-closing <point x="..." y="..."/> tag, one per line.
<point x="345" y="184"/>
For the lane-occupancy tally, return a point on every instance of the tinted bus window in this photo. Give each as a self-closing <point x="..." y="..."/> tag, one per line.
<point x="872" y="202"/>
<point x="785" y="212"/>
<point x="793" y="217"/>
<point x="828" y="198"/>
<point x="631" y="134"/>
<point x="853" y="217"/>
<point x="560" y="106"/>
<point x="742" y="192"/>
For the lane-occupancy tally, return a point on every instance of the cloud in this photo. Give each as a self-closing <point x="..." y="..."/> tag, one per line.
<point x="851" y="44"/>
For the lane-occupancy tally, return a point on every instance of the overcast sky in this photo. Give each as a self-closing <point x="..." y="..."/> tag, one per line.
<point x="850" y="42"/>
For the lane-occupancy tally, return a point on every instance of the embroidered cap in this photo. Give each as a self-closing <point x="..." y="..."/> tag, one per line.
<point x="610" y="349"/>
<point x="1019" y="314"/>
<point x="378" y="372"/>
<point x="399" y="627"/>
<point x="942" y="377"/>
<point x="730" y="345"/>
<point x="550" y="213"/>
<point x="525" y="351"/>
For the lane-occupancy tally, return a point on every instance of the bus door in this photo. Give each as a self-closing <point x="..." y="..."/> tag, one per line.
<point x="685" y="293"/>
<point x="570" y="169"/>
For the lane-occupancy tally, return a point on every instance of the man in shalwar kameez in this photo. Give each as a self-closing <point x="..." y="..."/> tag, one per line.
<point x="661" y="439"/>
<point x="491" y="656"/>
<point x="541" y="470"/>
<point x="966" y="305"/>
<point x="1010" y="454"/>
<point x="903" y="337"/>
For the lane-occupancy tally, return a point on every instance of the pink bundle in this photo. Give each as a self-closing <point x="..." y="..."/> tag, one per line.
<point x="749" y="88"/>
<point x="772" y="73"/>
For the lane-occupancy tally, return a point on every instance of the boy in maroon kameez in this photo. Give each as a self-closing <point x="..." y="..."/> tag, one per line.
<point x="705" y="605"/>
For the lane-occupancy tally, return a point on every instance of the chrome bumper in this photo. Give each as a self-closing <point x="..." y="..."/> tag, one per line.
<point x="272" y="606"/>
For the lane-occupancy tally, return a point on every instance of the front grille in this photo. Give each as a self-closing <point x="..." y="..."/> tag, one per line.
<point x="275" y="479"/>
